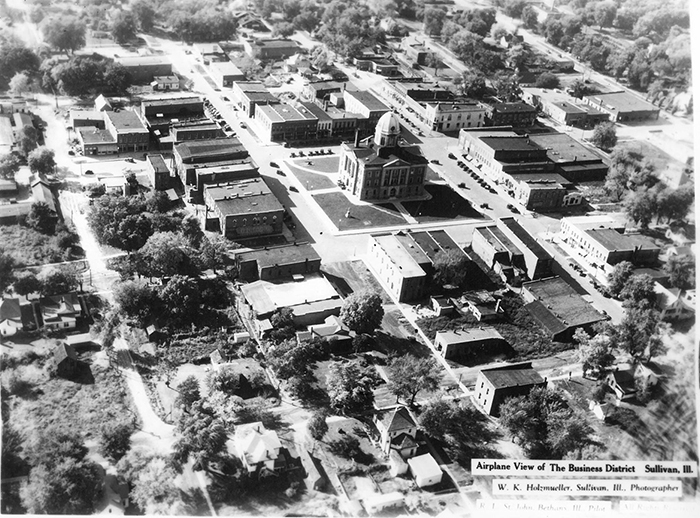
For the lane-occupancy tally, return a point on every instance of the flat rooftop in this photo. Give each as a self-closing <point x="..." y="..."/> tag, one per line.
<point x="524" y="236"/>
<point x="171" y="101"/>
<point x="563" y="148"/>
<point x="612" y="220"/>
<point x="398" y="255"/>
<point x="507" y="376"/>
<point x="87" y="115"/>
<point x="498" y="240"/>
<point x="470" y="334"/>
<point x="226" y="68"/>
<point x="316" y="110"/>
<point x="368" y="100"/>
<point x="265" y="297"/>
<point x="285" y="113"/>
<point x="126" y="121"/>
<point x="510" y="143"/>
<point x="565" y="307"/>
<point x="210" y="147"/>
<point x="614" y="241"/>
<point x="158" y="163"/>
<point x="513" y="108"/>
<point x="134" y="61"/>
<point x="622" y="102"/>
<point x="244" y="196"/>
<point x="276" y="44"/>
<point x="280" y="255"/>
<point x="96" y="136"/>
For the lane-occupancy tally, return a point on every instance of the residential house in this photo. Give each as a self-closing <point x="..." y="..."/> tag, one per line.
<point x="279" y="262"/>
<point x="385" y="169"/>
<point x="42" y="193"/>
<point x="622" y="383"/>
<point x="425" y="469"/>
<point x="623" y="106"/>
<point x="259" y="450"/>
<point x="10" y="317"/>
<point x="469" y="342"/>
<point x="244" y="209"/>
<point x="337" y="335"/>
<point x="316" y="478"/>
<point x="61" y="312"/>
<point x="675" y="304"/>
<point x="558" y="308"/>
<point x="397" y="429"/>
<point x="496" y="384"/>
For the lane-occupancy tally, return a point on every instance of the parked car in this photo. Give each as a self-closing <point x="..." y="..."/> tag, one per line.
<point x="71" y="152"/>
<point x="243" y="125"/>
<point x="451" y="156"/>
<point x="435" y="162"/>
<point x="280" y="172"/>
<point x="484" y="205"/>
<point x="293" y="189"/>
<point x="130" y="160"/>
<point x="89" y="172"/>
<point x="274" y="164"/>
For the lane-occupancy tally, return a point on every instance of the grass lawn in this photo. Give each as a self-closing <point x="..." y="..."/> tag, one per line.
<point x="71" y="407"/>
<point x="29" y="247"/>
<point x="444" y="205"/>
<point x="312" y="181"/>
<point x="351" y="276"/>
<point x="325" y="164"/>
<point x="336" y="205"/>
<point x="661" y="160"/>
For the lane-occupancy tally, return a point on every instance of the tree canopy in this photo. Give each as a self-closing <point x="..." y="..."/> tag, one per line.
<point x="681" y="271"/>
<point x="409" y="374"/>
<point x="450" y="267"/>
<point x="350" y="386"/>
<point x="42" y="160"/>
<point x="362" y="311"/>
<point x="65" y="33"/>
<point x="605" y="136"/>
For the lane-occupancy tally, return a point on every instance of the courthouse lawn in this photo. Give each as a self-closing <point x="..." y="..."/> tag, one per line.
<point x="336" y="205"/>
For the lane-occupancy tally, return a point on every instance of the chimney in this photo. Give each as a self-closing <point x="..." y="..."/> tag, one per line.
<point x="357" y="138"/>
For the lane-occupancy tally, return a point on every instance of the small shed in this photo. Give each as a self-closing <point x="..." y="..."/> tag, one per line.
<point x="425" y="469"/>
<point x="66" y="361"/>
<point x="441" y="306"/>
<point x="398" y="465"/>
<point x="77" y="341"/>
<point x="380" y="502"/>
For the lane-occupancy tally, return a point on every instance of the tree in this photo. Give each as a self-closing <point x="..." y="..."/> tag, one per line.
<point x="529" y="17"/>
<point x="203" y="437"/>
<point x="169" y="253"/>
<point x="408" y="375"/>
<point x="547" y="80"/>
<point x="639" y="292"/>
<point x="471" y="84"/>
<point x="641" y="206"/>
<point x="188" y="392"/>
<point x="20" y="84"/>
<point x="138" y="300"/>
<point x="65" y="33"/>
<point x="465" y="431"/>
<point x="116" y="79"/>
<point x="123" y="27"/>
<point x="115" y="440"/>
<point x="192" y="230"/>
<point x="539" y="420"/>
<point x="282" y="321"/>
<point x="347" y="446"/>
<point x="41" y="160"/>
<point x="7" y="276"/>
<point x="154" y="489"/>
<point x="213" y="252"/>
<point x="362" y="311"/>
<point x="181" y="296"/>
<point x="144" y="13"/>
<point x="350" y="386"/>
<point x="681" y="271"/>
<point x="605" y="136"/>
<point x="225" y="379"/>
<point x="58" y="281"/>
<point x="27" y="140"/>
<point x="26" y="284"/>
<point x="619" y="276"/>
<point x="41" y="218"/>
<point x="605" y="13"/>
<point x="9" y="165"/>
<point x="507" y="87"/>
<point x="450" y="267"/>
<point x="579" y="88"/>
<point x="594" y="353"/>
<point x="15" y="57"/>
<point x="433" y="20"/>
<point x="639" y="333"/>
<point x="316" y="425"/>
<point x="675" y="204"/>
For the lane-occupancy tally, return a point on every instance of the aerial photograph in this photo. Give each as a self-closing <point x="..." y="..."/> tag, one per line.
<point x="331" y="258"/>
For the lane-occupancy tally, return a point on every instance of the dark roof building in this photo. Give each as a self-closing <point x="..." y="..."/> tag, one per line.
<point x="558" y="308"/>
<point x="128" y="130"/>
<point x="517" y="114"/>
<point x="244" y="209"/>
<point x="249" y="94"/>
<point x="623" y="106"/>
<point x="271" y="48"/>
<point x="285" y="123"/>
<point x="158" y="172"/>
<point x="573" y="160"/>
<point x="495" y="385"/>
<point x="144" y="68"/>
<point x="281" y="262"/>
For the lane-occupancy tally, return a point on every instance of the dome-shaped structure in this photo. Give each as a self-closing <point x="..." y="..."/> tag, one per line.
<point x="388" y="130"/>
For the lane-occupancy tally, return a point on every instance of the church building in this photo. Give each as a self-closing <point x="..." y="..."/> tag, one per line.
<point x="382" y="168"/>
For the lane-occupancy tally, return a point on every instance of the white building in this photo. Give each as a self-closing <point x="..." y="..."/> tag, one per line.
<point x="425" y="469"/>
<point x="453" y="116"/>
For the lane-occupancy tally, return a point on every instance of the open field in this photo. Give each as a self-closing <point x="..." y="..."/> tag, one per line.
<point x="336" y="206"/>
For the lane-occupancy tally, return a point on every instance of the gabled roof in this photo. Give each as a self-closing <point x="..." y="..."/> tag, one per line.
<point x="513" y="375"/>
<point x="396" y="420"/>
<point x="625" y="380"/>
<point x="257" y="444"/>
<point x="63" y="351"/>
<point x="403" y="441"/>
<point x="10" y="310"/>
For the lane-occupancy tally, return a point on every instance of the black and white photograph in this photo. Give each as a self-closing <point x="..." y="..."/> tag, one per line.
<point x="334" y="258"/>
